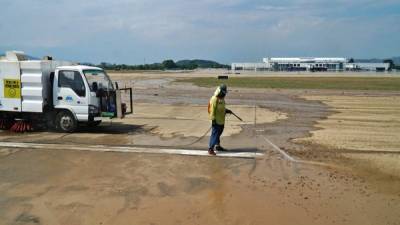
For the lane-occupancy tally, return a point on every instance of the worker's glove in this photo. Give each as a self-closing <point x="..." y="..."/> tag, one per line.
<point x="227" y="111"/>
<point x="214" y="122"/>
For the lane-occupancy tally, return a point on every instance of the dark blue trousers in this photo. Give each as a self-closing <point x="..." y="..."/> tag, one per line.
<point x="215" y="135"/>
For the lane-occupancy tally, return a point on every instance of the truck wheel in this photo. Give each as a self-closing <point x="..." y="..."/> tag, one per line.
<point x="93" y="123"/>
<point x="66" y="122"/>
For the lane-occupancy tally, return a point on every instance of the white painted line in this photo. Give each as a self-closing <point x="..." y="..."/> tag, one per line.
<point x="127" y="149"/>
<point x="288" y="157"/>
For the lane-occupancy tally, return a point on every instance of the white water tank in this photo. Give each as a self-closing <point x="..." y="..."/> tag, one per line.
<point x="25" y="84"/>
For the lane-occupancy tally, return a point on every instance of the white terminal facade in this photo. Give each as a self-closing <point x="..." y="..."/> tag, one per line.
<point x="309" y="64"/>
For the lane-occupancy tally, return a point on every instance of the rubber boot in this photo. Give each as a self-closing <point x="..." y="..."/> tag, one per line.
<point x="220" y="148"/>
<point x="211" y="152"/>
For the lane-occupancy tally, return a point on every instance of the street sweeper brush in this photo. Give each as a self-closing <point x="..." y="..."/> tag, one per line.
<point x="21" y="126"/>
<point x="5" y="124"/>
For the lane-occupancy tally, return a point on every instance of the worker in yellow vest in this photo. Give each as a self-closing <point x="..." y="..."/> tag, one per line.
<point x="217" y="112"/>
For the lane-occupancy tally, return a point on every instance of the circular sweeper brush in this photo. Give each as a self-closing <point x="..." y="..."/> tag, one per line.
<point x="21" y="126"/>
<point x="5" y="124"/>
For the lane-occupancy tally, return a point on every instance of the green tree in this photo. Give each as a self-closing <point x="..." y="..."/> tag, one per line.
<point x="169" y="64"/>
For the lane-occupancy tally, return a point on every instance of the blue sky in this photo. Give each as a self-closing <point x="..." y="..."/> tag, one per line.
<point x="138" y="31"/>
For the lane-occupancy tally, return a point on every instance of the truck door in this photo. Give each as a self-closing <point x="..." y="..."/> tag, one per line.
<point x="71" y="92"/>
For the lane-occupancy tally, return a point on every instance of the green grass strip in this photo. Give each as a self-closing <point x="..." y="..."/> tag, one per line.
<point x="332" y="83"/>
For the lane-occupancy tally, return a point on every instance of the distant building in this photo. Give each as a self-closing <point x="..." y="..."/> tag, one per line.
<point x="380" y="67"/>
<point x="309" y="64"/>
<point x="251" y="66"/>
<point x="306" y="64"/>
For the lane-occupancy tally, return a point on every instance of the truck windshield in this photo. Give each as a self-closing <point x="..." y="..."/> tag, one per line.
<point x="100" y="77"/>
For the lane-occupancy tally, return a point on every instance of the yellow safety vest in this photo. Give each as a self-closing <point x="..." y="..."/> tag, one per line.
<point x="216" y="109"/>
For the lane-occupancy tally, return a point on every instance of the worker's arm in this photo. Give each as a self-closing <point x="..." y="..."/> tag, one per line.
<point x="213" y="107"/>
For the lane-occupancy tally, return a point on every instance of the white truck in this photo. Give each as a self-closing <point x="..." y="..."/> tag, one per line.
<point x="60" y="93"/>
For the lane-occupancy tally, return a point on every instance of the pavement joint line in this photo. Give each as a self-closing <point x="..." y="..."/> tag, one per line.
<point x="291" y="159"/>
<point x="128" y="149"/>
<point x="287" y="156"/>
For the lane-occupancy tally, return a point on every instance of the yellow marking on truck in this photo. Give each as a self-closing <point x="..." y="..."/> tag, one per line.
<point x="12" y="88"/>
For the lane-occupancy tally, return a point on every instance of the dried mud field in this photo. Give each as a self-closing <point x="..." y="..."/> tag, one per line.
<point x="343" y="166"/>
<point x="364" y="128"/>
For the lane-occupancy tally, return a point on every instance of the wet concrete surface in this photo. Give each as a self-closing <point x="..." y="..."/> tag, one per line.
<point x="64" y="187"/>
<point x="67" y="187"/>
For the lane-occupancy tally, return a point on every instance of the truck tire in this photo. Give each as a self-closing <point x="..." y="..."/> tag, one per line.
<point x="93" y="123"/>
<point x="66" y="122"/>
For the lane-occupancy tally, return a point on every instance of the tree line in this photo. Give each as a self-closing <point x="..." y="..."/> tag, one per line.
<point x="168" y="64"/>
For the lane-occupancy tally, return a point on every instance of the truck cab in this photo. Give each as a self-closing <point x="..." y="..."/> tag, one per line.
<point x="84" y="94"/>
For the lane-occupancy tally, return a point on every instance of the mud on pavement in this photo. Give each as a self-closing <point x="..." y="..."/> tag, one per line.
<point x="69" y="187"/>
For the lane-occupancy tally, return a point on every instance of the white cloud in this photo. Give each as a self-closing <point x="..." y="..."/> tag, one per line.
<point x="221" y="29"/>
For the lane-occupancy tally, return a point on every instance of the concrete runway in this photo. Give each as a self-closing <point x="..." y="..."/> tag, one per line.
<point x="103" y="175"/>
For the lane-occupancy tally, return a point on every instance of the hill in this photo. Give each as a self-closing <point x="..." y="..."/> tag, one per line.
<point x="368" y="60"/>
<point x="396" y="60"/>
<point x="199" y="63"/>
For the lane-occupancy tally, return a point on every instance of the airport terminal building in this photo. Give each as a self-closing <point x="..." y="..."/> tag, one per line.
<point x="309" y="64"/>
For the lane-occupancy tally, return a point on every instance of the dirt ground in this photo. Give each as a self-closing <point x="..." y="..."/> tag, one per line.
<point x="364" y="128"/>
<point x="163" y="119"/>
<point x="366" y="123"/>
<point x="329" y="185"/>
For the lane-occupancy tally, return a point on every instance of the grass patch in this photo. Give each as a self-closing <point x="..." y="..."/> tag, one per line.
<point x="333" y="83"/>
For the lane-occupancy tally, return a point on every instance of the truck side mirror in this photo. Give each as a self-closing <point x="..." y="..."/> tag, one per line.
<point x="95" y="86"/>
